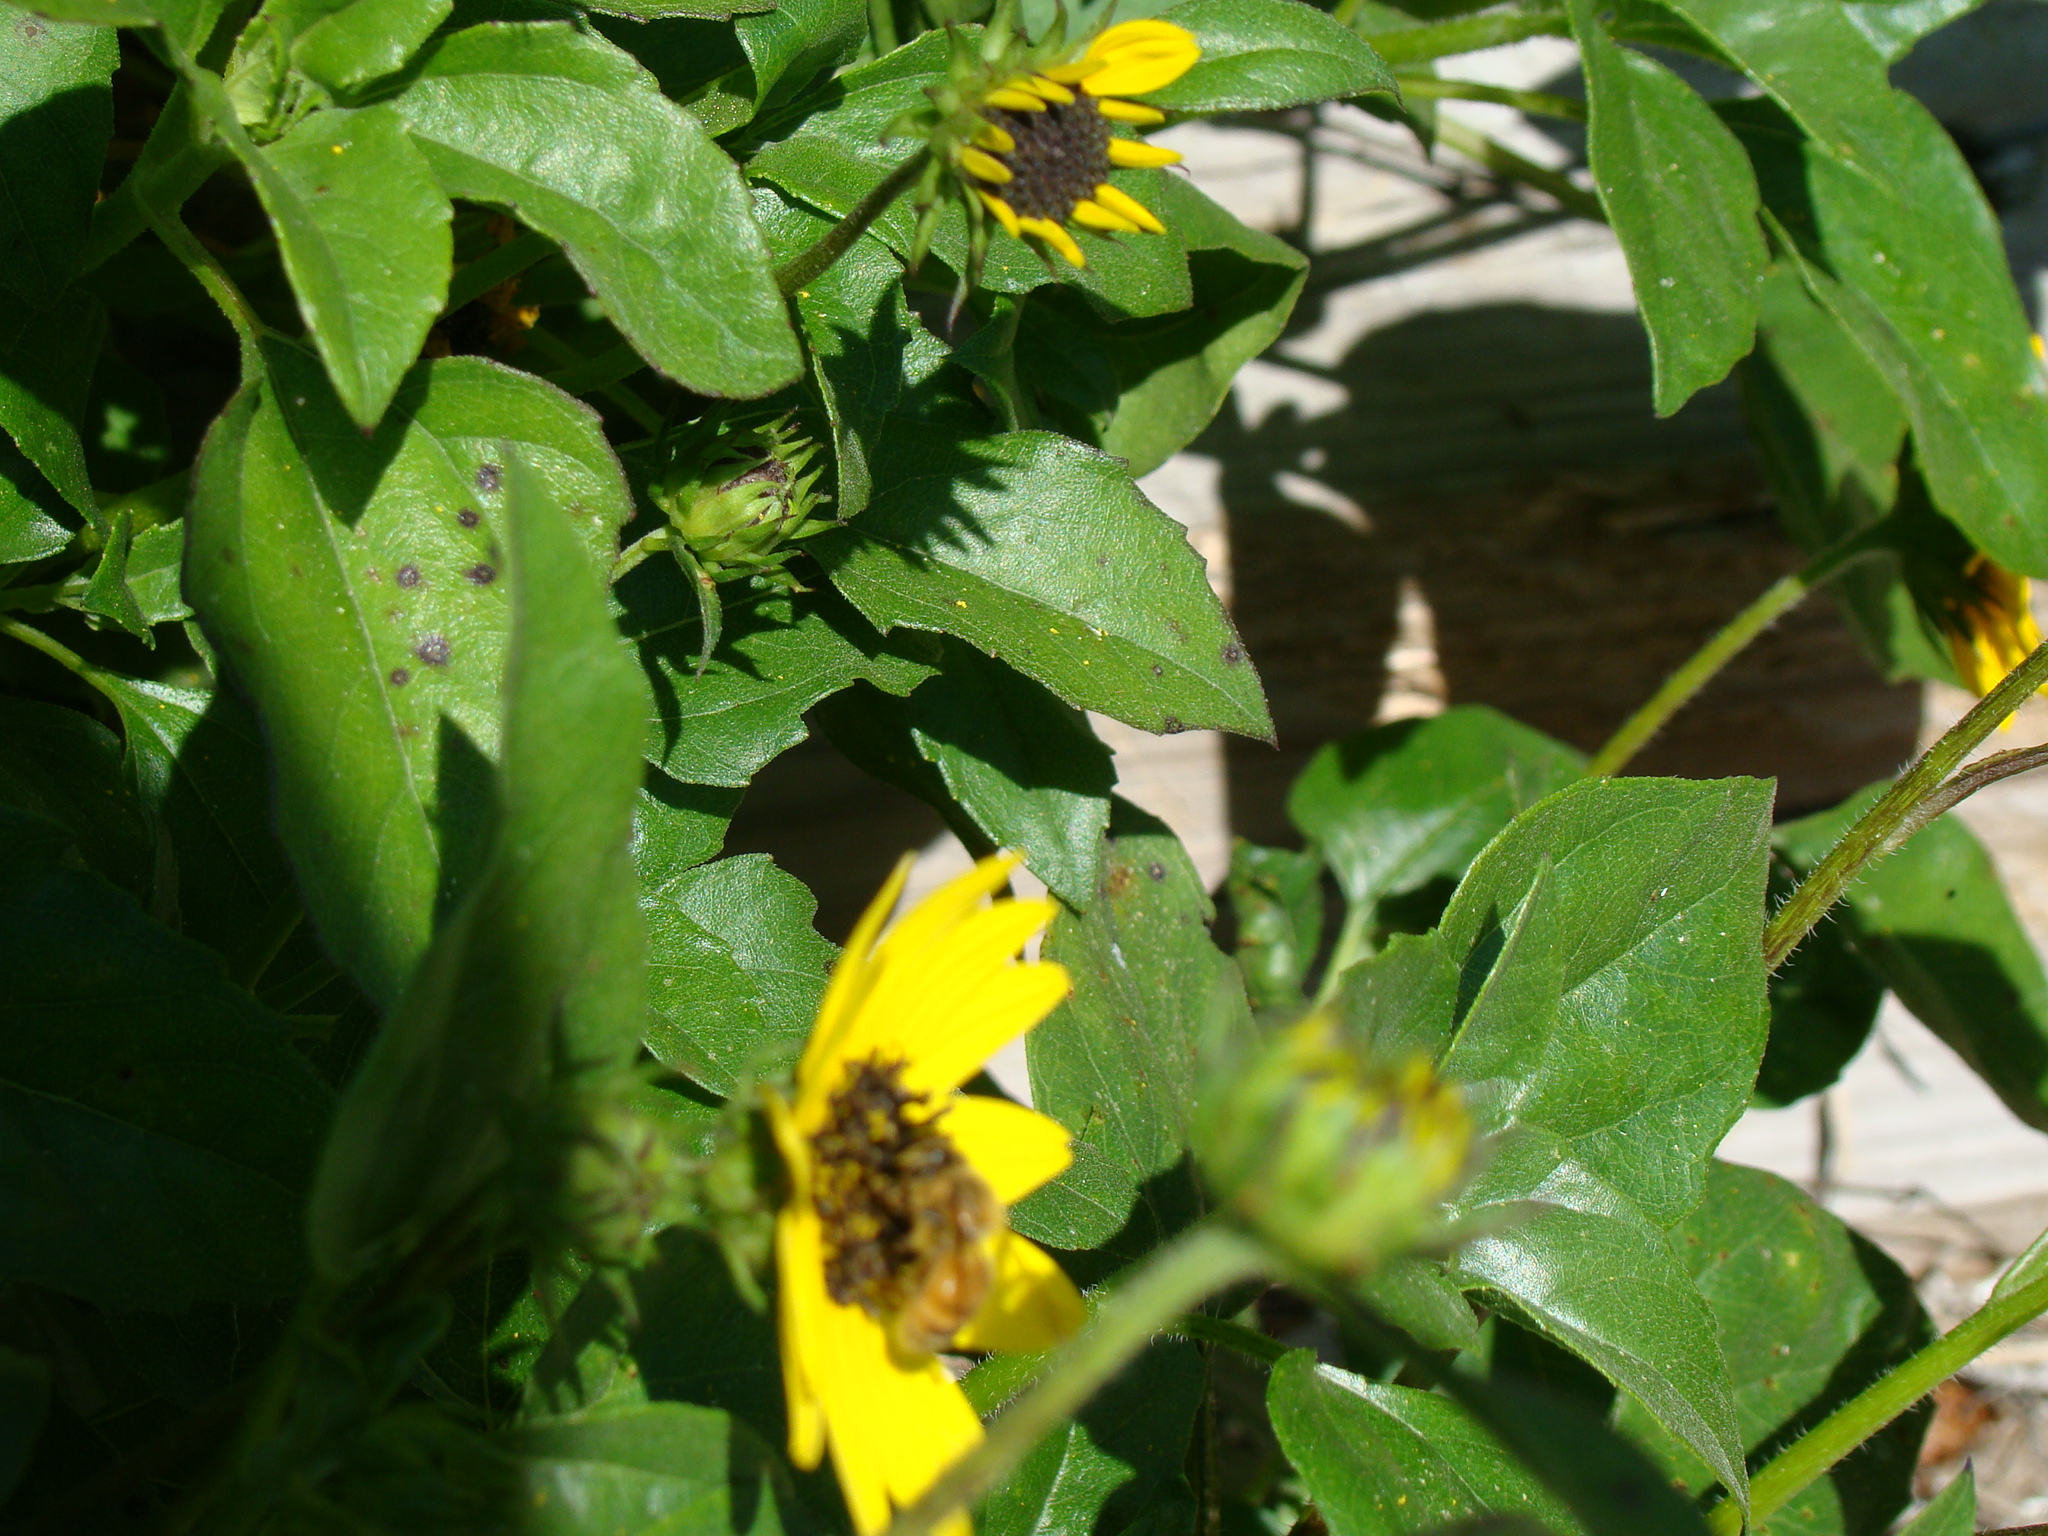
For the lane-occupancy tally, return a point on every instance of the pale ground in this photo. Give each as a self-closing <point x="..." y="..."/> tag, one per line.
<point x="1919" y="1154"/>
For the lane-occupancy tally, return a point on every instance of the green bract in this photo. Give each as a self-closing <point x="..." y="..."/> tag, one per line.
<point x="450" y="455"/>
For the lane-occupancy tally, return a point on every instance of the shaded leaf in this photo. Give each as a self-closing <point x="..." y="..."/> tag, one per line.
<point x="1952" y="1512"/>
<point x="157" y="1127"/>
<point x="566" y="128"/>
<point x="1115" y="1063"/>
<point x="46" y="366"/>
<point x="789" y="44"/>
<point x="106" y="595"/>
<point x="1809" y="1314"/>
<point x="379" y="558"/>
<point x="24" y="1401"/>
<point x="542" y="964"/>
<point x="1934" y="922"/>
<point x="65" y="767"/>
<point x="56" y="115"/>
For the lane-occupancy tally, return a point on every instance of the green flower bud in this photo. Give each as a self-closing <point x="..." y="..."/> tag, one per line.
<point x="1339" y="1161"/>
<point x="739" y="489"/>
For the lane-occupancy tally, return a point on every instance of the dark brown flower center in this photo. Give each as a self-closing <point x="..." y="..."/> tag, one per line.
<point x="1062" y="156"/>
<point x="899" y="1204"/>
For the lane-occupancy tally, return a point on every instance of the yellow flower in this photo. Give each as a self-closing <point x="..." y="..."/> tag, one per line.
<point x="894" y="1243"/>
<point x="1042" y="150"/>
<point x="1990" y="626"/>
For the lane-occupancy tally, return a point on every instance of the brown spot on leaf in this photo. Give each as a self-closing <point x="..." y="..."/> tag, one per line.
<point x="400" y="677"/>
<point x="433" y="650"/>
<point x="468" y="517"/>
<point x="489" y="478"/>
<point x="408" y="575"/>
<point x="481" y="574"/>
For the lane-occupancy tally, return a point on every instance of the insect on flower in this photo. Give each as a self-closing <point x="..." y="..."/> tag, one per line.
<point x="894" y="1241"/>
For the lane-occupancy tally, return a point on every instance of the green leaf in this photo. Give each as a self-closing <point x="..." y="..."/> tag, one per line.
<point x="791" y="43"/>
<point x="778" y="656"/>
<point x="364" y="233"/>
<point x="1395" y="807"/>
<point x="351" y="586"/>
<point x="543" y="963"/>
<point x="1934" y="922"/>
<point x="1607" y="960"/>
<point x="677" y="825"/>
<point x="1895" y="239"/>
<point x="1277" y="898"/>
<point x="1416" y="1296"/>
<point x="159" y="1125"/>
<point x="106" y="596"/>
<point x="1809" y="1314"/>
<point x="1385" y="1460"/>
<point x="365" y="41"/>
<point x="1952" y="1512"/>
<point x="567" y="129"/>
<point x="1261" y="54"/>
<point x="65" y="767"/>
<point x="46" y="365"/>
<point x="1113" y="1464"/>
<point x="56" y="115"/>
<point x="1028" y="769"/>
<point x="156" y="558"/>
<point x="658" y="1469"/>
<point x="30" y="509"/>
<point x="24" y="1402"/>
<point x="1143" y="389"/>
<point x="1042" y="552"/>
<point x="735" y="971"/>
<point x="829" y="151"/>
<point x="1115" y="1062"/>
<point x="1683" y="200"/>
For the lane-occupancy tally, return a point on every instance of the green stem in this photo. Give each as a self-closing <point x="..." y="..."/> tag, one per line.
<point x="563" y="356"/>
<point x="637" y="551"/>
<point x="1732" y="638"/>
<point x="1813" y="1453"/>
<point x="495" y="267"/>
<point x="1502" y="161"/>
<point x="1412" y="45"/>
<point x="200" y="262"/>
<point x="1202" y="1260"/>
<point x="1354" y="943"/>
<point x="808" y="266"/>
<point x="882" y="27"/>
<point x="1877" y="833"/>
<point x="1542" y="103"/>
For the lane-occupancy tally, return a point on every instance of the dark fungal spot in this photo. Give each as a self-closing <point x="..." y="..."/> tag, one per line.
<point x="408" y="575"/>
<point x="489" y="477"/>
<point x="1158" y="670"/>
<point x="1171" y="726"/>
<point x="1156" y="871"/>
<point x="481" y="574"/>
<point x="400" y="677"/>
<point x="433" y="650"/>
<point x="1233" y="655"/>
<point x="467" y="517"/>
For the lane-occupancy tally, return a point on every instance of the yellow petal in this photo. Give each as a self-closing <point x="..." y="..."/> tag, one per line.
<point x="1145" y="30"/>
<point x="855" y="1381"/>
<point x="989" y="136"/>
<point x="923" y="1007"/>
<point x="1076" y="72"/>
<point x="1031" y="1306"/>
<point x="1005" y="1006"/>
<point x="1051" y="90"/>
<point x="1116" y="200"/>
<point x="1014" y="1149"/>
<point x="1011" y="99"/>
<point x="799" y="1302"/>
<point x="1132" y="112"/>
<point x="1129" y="152"/>
<point x="840" y="1010"/>
<point x="929" y="1423"/>
<point x="1137" y="70"/>
<point x="1056" y="237"/>
<point x="1092" y="215"/>
<point x="979" y="163"/>
<point x="1005" y="214"/>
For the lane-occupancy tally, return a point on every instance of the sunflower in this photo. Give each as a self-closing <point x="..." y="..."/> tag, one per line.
<point x="894" y="1242"/>
<point x="1990" y="624"/>
<point x="1042" y="145"/>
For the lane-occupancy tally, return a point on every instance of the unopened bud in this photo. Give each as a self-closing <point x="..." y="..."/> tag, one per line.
<point x="1339" y="1161"/>
<point x="738" y="490"/>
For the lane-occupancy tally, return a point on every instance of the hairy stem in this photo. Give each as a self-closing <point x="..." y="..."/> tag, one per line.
<point x="1201" y="1261"/>
<point x="1878" y="832"/>
<point x="1813" y="1453"/>
<point x="808" y="266"/>
<point x="1203" y="1329"/>
<point x="1542" y="103"/>
<point x="1729" y="642"/>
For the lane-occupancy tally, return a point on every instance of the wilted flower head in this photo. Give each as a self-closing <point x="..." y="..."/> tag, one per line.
<point x="1334" y="1158"/>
